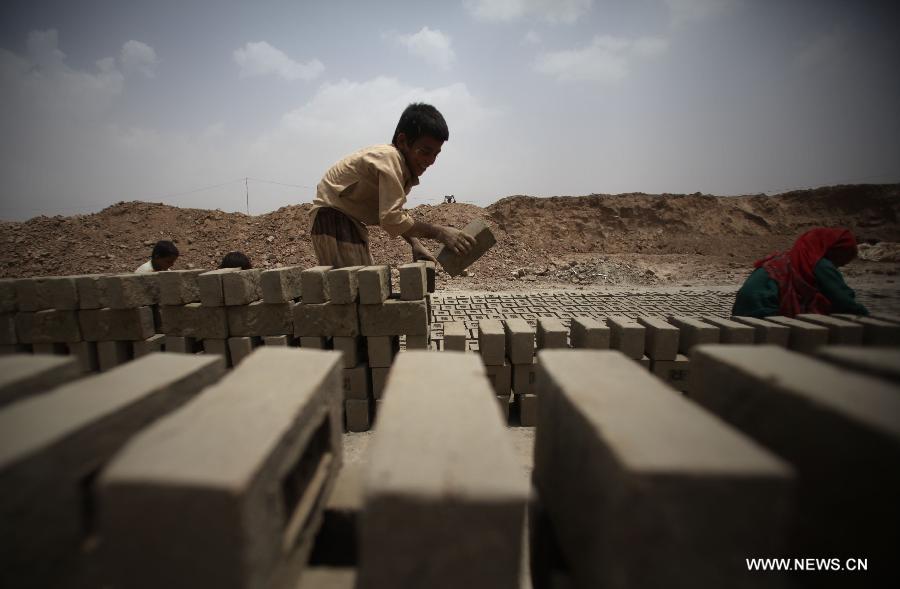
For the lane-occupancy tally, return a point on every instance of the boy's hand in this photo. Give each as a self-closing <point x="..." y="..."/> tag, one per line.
<point x="459" y="243"/>
<point x="422" y="253"/>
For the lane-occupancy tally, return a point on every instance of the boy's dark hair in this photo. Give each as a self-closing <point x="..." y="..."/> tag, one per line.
<point x="236" y="260"/>
<point x="164" y="249"/>
<point x="421" y="119"/>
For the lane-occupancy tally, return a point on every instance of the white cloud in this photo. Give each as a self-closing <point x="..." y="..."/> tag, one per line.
<point x="685" y="11"/>
<point x="260" y="59"/>
<point x="138" y="57"/>
<point x="531" y="38"/>
<point x="564" y="11"/>
<point x="432" y="46"/>
<point x="606" y="59"/>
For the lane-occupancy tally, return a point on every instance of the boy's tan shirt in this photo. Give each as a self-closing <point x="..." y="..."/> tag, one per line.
<point x="370" y="186"/>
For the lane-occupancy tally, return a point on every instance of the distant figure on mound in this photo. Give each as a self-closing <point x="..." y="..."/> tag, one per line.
<point x="162" y="258"/>
<point x="369" y="187"/>
<point x="449" y="199"/>
<point x="804" y="279"/>
<point x="236" y="260"/>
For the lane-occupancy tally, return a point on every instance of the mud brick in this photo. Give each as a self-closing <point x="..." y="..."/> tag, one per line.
<point x="876" y="332"/>
<point x="413" y="282"/>
<point x="374" y="283"/>
<point x="838" y="428"/>
<point x="51" y="447"/>
<point x="840" y="331"/>
<point x="352" y="349"/>
<point x="211" y="292"/>
<point x="113" y="353"/>
<point x="116" y="324"/>
<point x="732" y="332"/>
<point x="484" y="240"/>
<point x="394" y="317"/>
<point x="242" y="346"/>
<point x="8" y="329"/>
<point x="803" y="337"/>
<point x="86" y="354"/>
<point x="212" y="501"/>
<point x="500" y="378"/>
<point x="693" y="333"/>
<point x="455" y="333"/>
<point x="626" y="335"/>
<point x="379" y="380"/>
<point x="418" y="342"/>
<point x="430" y="275"/>
<point x="358" y="413"/>
<point x="314" y="284"/>
<point x="519" y="341"/>
<point x="589" y="333"/>
<point x="356" y="383"/>
<point x="47" y="327"/>
<point x="889" y="317"/>
<point x="766" y="332"/>
<point x="458" y="505"/>
<point x="492" y="342"/>
<point x="382" y="349"/>
<point x="675" y="373"/>
<point x="524" y="378"/>
<point x="219" y="347"/>
<point x="90" y="291"/>
<point x="179" y="287"/>
<point x="281" y="285"/>
<point x="181" y="344"/>
<point x="9" y="349"/>
<point x="661" y="341"/>
<point x="343" y="284"/>
<point x="127" y="291"/>
<point x="326" y="320"/>
<point x="315" y="343"/>
<point x="276" y="340"/>
<point x="880" y="362"/>
<point x="154" y="343"/>
<point x="261" y="318"/>
<point x="241" y="287"/>
<point x="194" y="320"/>
<point x="551" y="333"/>
<point x="8" y="301"/>
<point x="49" y="292"/>
<point x="22" y="376"/>
<point x="687" y="494"/>
<point x="528" y="408"/>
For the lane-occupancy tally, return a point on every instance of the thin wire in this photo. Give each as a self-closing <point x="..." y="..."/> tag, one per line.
<point x="280" y="183"/>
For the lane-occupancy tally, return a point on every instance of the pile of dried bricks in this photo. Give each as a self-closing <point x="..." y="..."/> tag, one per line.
<point x="661" y="345"/>
<point x="777" y="452"/>
<point x="106" y="320"/>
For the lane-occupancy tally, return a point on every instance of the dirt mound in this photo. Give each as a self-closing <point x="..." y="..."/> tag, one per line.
<point x="595" y="239"/>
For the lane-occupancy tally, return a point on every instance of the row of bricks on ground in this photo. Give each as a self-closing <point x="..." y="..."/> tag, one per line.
<point x="216" y="288"/>
<point x="195" y="320"/>
<point x="698" y="484"/>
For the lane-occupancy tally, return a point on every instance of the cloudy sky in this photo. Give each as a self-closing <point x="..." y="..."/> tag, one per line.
<point x="179" y="101"/>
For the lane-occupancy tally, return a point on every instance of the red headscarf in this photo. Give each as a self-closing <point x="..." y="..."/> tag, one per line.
<point x="793" y="269"/>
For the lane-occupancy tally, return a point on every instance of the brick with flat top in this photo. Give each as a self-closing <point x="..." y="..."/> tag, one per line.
<point x="626" y="335"/>
<point x="314" y="284"/>
<point x="326" y="320"/>
<point x="413" y="281"/>
<point x="519" y="341"/>
<point x="732" y="332"/>
<point x="127" y="291"/>
<point x="839" y="429"/>
<point x="179" y="287"/>
<point x="551" y="333"/>
<point x="803" y="337"/>
<point x="241" y="287"/>
<point x="455" y="334"/>
<point x="260" y="318"/>
<point x="52" y="446"/>
<point x="116" y="324"/>
<point x="374" y="284"/>
<point x="693" y="332"/>
<point x="210" y="284"/>
<point x="48" y="326"/>
<point x="587" y="332"/>
<point x="459" y="505"/>
<point x="840" y="331"/>
<point x="689" y="496"/>
<point x="492" y="342"/>
<point x="281" y="285"/>
<point x="455" y="264"/>
<point x="343" y="284"/>
<point x="212" y="501"/>
<point x="765" y="332"/>
<point x="22" y="375"/>
<point x="661" y="342"/>
<point x="394" y="317"/>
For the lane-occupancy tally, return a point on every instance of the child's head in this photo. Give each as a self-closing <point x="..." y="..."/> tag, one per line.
<point x="164" y="255"/>
<point x="236" y="260"/>
<point x="419" y="136"/>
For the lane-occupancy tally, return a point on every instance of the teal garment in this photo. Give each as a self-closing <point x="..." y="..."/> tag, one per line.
<point x="758" y="297"/>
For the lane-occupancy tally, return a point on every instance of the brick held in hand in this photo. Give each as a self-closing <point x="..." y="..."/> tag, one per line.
<point x="484" y="240"/>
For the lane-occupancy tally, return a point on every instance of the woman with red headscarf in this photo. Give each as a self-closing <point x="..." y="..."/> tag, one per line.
<point x="804" y="279"/>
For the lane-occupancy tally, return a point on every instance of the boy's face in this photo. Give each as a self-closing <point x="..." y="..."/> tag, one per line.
<point x="419" y="154"/>
<point x="164" y="263"/>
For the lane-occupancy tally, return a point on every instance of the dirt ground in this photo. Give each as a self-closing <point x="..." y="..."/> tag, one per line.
<point x="579" y="242"/>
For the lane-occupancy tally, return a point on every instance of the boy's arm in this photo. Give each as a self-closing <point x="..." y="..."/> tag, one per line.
<point x="419" y="251"/>
<point x="458" y="242"/>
